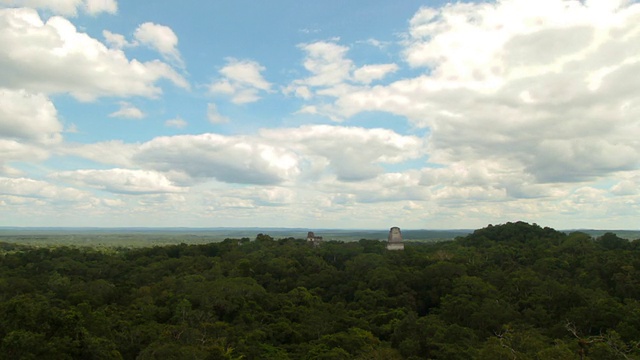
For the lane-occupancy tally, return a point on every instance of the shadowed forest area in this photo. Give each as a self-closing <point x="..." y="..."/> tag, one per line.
<point x="512" y="291"/>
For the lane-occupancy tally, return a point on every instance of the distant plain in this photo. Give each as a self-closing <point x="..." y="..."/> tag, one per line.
<point x="141" y="237"/>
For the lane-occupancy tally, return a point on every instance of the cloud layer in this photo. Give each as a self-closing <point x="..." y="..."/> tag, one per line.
<point x="484" y="112"/>
<point x="532" y="87"/>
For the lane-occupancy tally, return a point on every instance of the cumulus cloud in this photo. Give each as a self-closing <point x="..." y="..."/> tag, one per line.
<point x="354" y="154"/>
<point x="286" y="155"/>
<point x="333" y="74"/>
<point x="369" y="73"/>
<point x="160" y="38"/>
<point x="67" y="7"/>
<point x="70" y="61"/>
<point x="14" y="150"/>
<point x="225" y="158"/>
<point x="327" y="63"/>
<point x="29" y="188"/>
<point x="114" y="152"/>
<point x="501" y="181"/>
<point x="546" y="88"/>
<point x="94" y="7"/>
<point x="128" y="111"/>
<point x="377" y="43"/>
<point x="529" y="86"/>
<point x="385" y="187"/>
<point x="117" y="41"/>
<point x="274" y="196"/>
<point x="124" y="181"/>
<point x="29" y="128"/>
<point x="625" y="187"/>
<point x="63" y="7"/>
<point x="241" y="80"/>
<point x="214" y="115"/>
<point x="254" y="197"/>
<point x="28" y="117"/>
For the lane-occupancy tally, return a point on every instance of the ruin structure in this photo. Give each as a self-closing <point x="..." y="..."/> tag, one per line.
<point x="313" y="239"/>
<point x="395" y="239"/>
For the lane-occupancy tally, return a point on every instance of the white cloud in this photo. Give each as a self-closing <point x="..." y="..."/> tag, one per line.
<point x="9" y="171"/>
<point x="64" y="7"/>
<point x="625" y="187"/>
<point x="225" y="203"/>
<point x="377" y="43"/>
<point x="354" y="154"/>
<point x="272" y="157"/>
<point x="327" y="63"/>
<point x="253" y="197"/>
<point x="114" y="152"/>
<point x="70" y="61"/>
<point x="303" y="92"/>
<point x="28" y="117"/>
<point x="29" y="188"/>
<point x="274" y="196"/>
<point x="67" y="7"/>
<point x="227" y="159"/>
<point x="94" y="7"/>
<point x="160" y="38"/>
<point x="628" y="185"/>
<point x="495" y="177"/>
<point x="383" y="188"/>
<point x="14" y="150"/>
<point x="328" y="67"/>
<point x="117" y="41"/>
<point x="123" y="181"/>
<point x="178" y="123"/>
<point x="128" y="111"/>
<point x="29" y="128"/>
<point x="333" y="75"/>
<point x="369" y="73"/>
<point x="242" y="80"/>
<point x="246" y="73"/>
<point x="214" y="115"/>
<point x="545" y="88"/>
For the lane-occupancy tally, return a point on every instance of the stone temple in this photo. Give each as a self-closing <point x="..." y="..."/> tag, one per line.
<point x="313" y="239"/>
<point x="395" y="239"/>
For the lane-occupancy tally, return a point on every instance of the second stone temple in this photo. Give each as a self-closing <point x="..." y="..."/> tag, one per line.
<point x="395" y="239"/>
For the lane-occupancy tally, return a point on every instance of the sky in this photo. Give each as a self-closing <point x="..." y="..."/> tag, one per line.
<point x="320" y="114"/>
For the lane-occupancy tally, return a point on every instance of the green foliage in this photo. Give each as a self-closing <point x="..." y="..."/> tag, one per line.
<point x="512" y="291"/>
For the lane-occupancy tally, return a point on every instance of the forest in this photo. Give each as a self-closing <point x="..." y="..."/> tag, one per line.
<point x="509" y="291"/>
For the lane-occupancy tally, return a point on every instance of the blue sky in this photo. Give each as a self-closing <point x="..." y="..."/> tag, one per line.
<point x="331" y="114"/>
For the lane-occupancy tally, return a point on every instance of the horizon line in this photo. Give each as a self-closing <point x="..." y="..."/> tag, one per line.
<point x="273" y="228"/>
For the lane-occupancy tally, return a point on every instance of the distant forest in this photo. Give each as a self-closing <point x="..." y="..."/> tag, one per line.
<point x="145" y="237"/>
<point x="510" y="291"/>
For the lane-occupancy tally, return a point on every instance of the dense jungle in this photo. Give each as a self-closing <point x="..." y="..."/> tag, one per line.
<point x="510" y="291"/>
